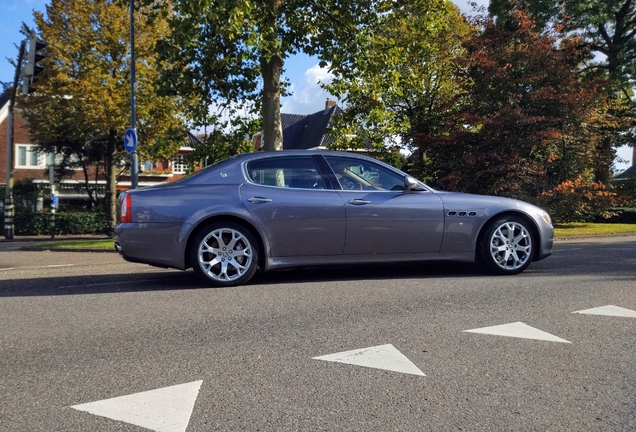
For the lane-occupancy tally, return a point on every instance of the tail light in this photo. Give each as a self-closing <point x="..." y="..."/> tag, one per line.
<point x="125" y="209"/>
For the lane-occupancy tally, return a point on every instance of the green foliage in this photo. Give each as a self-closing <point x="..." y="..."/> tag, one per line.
<point x="81" y="108"/>
<point x="393" y="157"/>
<point x="65" y="223"/>
<point x="399" y="76"/>
<point x="528" y="120"/>
<point x="230" y="54"/>
<point x="622" y="215"/>
<point x="26" y="195"/>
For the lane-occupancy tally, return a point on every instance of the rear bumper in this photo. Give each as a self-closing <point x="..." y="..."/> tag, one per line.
<point x="153" y="244"/>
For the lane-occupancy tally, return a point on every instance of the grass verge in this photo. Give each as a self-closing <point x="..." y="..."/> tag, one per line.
<point x="88" y="245"/>
<point x="586" y="229"/>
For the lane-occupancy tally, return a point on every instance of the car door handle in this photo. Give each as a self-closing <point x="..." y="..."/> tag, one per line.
<point x="258" y="200"/>
<point x="358" y="201"/>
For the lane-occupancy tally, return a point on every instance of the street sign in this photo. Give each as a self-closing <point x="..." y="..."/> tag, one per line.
<point x="130" y="140"/>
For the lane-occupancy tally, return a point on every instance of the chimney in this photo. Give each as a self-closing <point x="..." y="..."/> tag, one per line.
<point x="330" y="103"/>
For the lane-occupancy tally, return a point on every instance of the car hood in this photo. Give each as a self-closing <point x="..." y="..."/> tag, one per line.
<point x="488" y="204"/>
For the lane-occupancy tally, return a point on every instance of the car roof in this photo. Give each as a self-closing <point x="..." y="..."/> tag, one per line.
<point x="227" y="166"/>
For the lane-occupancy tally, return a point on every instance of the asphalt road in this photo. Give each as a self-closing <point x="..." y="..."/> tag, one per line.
<point x="78" y="328"/>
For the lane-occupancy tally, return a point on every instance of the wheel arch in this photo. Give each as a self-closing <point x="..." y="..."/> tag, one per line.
<point x="532" y="225"/>
<point x="229" y="218"/>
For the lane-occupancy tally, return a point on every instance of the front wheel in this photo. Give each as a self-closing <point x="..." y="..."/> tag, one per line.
<point x="224" y="254"/>
<point x="506" y="247"/>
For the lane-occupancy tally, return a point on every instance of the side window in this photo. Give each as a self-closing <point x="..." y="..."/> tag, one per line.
<point x="355" y="174"/>
<point x="297" y="172"/>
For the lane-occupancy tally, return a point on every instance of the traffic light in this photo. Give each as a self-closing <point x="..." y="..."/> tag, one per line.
<point x="33" y="68"/>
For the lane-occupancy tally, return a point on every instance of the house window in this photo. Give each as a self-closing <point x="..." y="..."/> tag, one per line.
<point x="27" y="157"/>
<point x="178" y="164"/>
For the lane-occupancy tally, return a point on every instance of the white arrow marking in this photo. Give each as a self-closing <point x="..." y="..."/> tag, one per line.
<point x="385" y="357"/>
<point x="163" y="410"/>
<point x="518" y="330"/>
<point x="609" y="310"/>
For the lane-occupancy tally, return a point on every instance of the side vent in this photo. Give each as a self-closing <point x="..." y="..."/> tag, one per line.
<point x="462" y="213"/>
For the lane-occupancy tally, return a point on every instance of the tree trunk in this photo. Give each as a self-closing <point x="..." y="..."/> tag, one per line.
<point x="272" y="128"/>
<point x="271" y="68"/>
<point x="605" y="157"/>
<point x="111" y="182"/>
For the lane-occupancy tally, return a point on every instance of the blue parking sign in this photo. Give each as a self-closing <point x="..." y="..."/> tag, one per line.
<point x="130" y="140"/>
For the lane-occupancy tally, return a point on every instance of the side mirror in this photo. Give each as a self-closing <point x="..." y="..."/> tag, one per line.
<point x="410" y="183"/>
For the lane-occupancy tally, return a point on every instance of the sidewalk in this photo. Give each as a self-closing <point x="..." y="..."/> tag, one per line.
<point x="47" y="238"/>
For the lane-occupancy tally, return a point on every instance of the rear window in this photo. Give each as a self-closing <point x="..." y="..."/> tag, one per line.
<point x="288" y="172"/>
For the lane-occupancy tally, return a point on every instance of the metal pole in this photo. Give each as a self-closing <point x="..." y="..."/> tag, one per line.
<point x="9" y="209"/>
<point x="134" y="165"/>
<point x="53" y="196"/>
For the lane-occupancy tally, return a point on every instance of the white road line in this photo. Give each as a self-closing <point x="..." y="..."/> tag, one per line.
<point x="385" y="357"/>
<point x="166" y="409"/>
<point x="609" y="310"/>
<point x="518" y="330"/>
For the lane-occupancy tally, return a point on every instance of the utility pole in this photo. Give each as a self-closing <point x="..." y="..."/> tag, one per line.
<point x="9" y="208"/>
<point x="134" y="165"/>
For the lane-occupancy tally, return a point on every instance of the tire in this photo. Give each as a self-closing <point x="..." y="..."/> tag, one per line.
<point x="506" y="247"/>
<point x="224" y="254"/>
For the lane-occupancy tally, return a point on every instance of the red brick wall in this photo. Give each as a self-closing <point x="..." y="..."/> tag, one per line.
<point x="21" y="135"/>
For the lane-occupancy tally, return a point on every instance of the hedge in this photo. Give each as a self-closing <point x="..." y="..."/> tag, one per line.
<point x="65" y="223"/>
<point x="623" y="215"/>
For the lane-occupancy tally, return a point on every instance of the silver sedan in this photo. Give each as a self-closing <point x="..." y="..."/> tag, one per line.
<point x="287" y="209"/>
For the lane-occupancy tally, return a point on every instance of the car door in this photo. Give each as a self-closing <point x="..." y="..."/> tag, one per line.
<point x="287" y="195"/>
<point x="382" y="216"/>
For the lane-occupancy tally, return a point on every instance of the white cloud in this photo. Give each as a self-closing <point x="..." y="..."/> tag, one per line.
<point x="307" y="95"/>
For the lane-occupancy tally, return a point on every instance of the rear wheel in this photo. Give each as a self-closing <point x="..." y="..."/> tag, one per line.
<point x="506" y="247"/>
<point x="224" y="254"/>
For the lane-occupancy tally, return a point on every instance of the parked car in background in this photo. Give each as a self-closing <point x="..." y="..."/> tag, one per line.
<point x="274" y="210"/>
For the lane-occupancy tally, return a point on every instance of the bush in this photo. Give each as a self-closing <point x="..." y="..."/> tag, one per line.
<point x="580" y="200"/>
<point x="65" y="223"/>
<point x="622" y="215"/>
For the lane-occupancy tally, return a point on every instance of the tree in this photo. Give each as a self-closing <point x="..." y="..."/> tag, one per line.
<point x="81" y="108"/>
<point x="231" y="53"/>
<point x="608" y="29"/>
<point x="403" y="76"/>
<point x="528" y="120"/>
<point x="218" y="145"/>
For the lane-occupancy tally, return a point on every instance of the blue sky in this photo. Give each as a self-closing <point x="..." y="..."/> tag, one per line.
<point x="301" y="70"/>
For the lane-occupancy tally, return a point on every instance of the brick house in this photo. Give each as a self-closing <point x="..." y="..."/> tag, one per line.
<point x="28" y="164"/>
